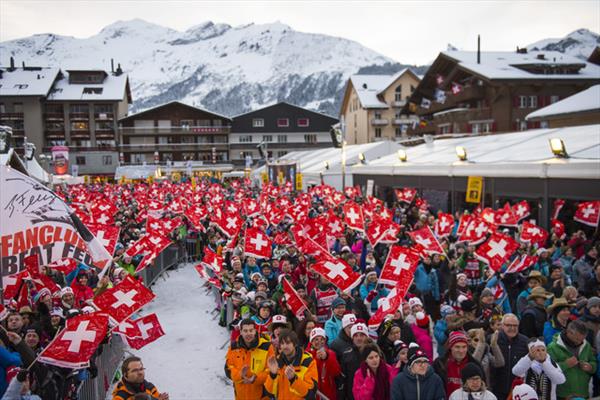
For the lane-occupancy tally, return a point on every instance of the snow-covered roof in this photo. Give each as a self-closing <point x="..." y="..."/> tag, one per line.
<point x="503" y="64"/>
<point x="27" y="81"/>
<point x="368" y="87"/>
<point x="586" y="100"/>
<point x="112" y="88"/>
<point x="137" y="114"/>
<point x="517" y="154"/>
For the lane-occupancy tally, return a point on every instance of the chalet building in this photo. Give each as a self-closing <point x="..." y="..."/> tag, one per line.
<point x="582" y="108"/>
<point x="174" y="132"/>
<point x="75" y="108"/>
<point x="373" y="107"/>
<point x="487" y="92"/>
<point x="282" y="128"/>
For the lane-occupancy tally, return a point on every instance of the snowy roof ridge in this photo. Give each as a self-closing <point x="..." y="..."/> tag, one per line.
<point x="27" y="81"/>
<point x="113" y="87"/>
<point x="174" y="102"/>
<point x="586" y="100"/>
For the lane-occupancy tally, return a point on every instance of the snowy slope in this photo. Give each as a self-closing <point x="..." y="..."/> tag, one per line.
<point x="222" y="68"/>
<point x="579" y="43"/>
<point x="188" y="361"/>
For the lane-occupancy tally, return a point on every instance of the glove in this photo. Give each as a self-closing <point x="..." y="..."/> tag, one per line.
<point x="371" y="295"/>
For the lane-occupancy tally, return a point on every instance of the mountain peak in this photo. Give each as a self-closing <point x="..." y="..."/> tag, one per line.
<point x="579" y="43"/>
<point x="133" y="26"/>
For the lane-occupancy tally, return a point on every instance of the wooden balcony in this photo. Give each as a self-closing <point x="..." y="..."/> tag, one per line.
<point x="461" y="115"/>
<point x="399" y="104"/>
<point x="175" y="130"/>
<point x="54" y="116"/>
<point x="80" y="134"/>
<point x="468" y="93"/>
<point x="11" y="116"/>
<point x="79" y="116"/>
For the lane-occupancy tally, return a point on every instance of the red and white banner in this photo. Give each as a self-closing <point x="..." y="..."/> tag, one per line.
<point x="521" y="209"/>
<point x="558" y="227"/>
<point x="212" y="260"/>
<point x="293" y="301"/>
<point x="257" y="243"/>
<point x="338" y="272"/>
<point x="141" y="331"/>
<point x="406" y="195"/>
<point x="520" y="264"/>
<point x="558" y="205"/>
<point x="497" y="250"/>
<point x="400" y="263"/>
<point x="425" y="238"/>
<point x="74" y="346"/>
<point x="11" y="285"/>
<point x="38" y="279"/>
<point x="388" y="305"/>
<point x="505" y="216"/>
<point x="64" y="265"/>
<point x="533" y="234"/>
<point x="353" y="216"/>
<point x="124" y="299"/>
<point x="476" y="231"/>
<point x="443" y="225"/>
<point x="107" y="235"/>
<point x="588" y="213"/>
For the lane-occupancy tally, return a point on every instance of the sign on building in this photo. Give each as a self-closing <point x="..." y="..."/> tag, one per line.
<point x="474" y="189"/>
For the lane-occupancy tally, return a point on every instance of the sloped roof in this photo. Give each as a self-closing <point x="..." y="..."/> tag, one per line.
<point x="586" y="100"/>
<point x="502" y="64"/>
<point x="368" y="87"/>
<point x="169" y="103"/>
<point x="113" y="88"/>
<point x="27" y="81"/>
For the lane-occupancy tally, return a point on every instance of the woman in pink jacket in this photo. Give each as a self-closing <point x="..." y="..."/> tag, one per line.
<point x="373" y="380"/>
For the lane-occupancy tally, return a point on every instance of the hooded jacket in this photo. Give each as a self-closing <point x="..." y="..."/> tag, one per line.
<point x="328" y="369"/>
<point x="407" y="386"/>
<point x="577" y="380"/>
<point x="255" y="357"/>
<point x="304" y="384"/>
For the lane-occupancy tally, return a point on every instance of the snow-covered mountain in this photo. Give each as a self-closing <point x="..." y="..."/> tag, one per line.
<point x="580" y="43"/>
<point x="225" y="69"/>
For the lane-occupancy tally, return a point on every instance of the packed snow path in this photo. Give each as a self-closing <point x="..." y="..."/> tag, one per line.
<point x="187" y="362"/>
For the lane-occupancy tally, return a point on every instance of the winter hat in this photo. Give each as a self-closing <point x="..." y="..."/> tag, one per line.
<point x="593" y="301"/>
<point x="346" y="248"/>
<point x="415" y="353"/>
<point x="359" y="328"/>
<point x="261" y="294"/>
<point x="278" y="320"/>
<point x="446" y="310"/>
<point x="57" y="312"/>
<point x="457" y="337"/>
<point x="536" y="343"/>
<point x="338" y="302"/>
<point x="255" y="274"/>
<point x="422" y="319"/>
<point x="540" y="251"/>
<point x="468" y="305"/>
<point x="235" y="259"/>
<point x="400" y="345"/>
<point x="239" y="278"/>
<point x="43" y="292"/>
<point x="524" y="392"/>
<point x="348" y="319"/>
<point x="66" y="290"/>
<point x="34" y="328"/>
<point x="486" y="293"/>
<point x="469" y="371"/>
<point x="415" y="301"/>
<point x="463" y="275"/>
<point x="116" y="272"/>
<point x="370" y="271"/>
<point x="317" y="332"/>
<point x="540" y="292"/>
<point x="88" y="310"/>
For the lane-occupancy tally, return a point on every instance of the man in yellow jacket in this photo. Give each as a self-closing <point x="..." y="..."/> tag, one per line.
<point x="293" y="374"/>
<point x="134" y="382"/>
<point x="246" y="362"/>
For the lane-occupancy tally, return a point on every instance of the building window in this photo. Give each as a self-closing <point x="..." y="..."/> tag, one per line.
<point x="55" y="126"/>
<point x="267" y="138"/>
<point x="92" y="90"/>
<point x="303" y="122"/>
<point x="377" y="132"/>
<point x="398" y="93"/>
<point x="522" y="101"/>
<point x="138" y="158"/>
<point x="246" y="139"/>
<point x="18" y="107"/>
<point x="188" y="139"/>
<point x="217" y="122"/>
<point x="81" y="143"/>
<point x="310" y="138"/>
<point x="2" y="108"/>
<point x="281" y="138"/>
<point x="283" y="122"/>
<point x="533" y="102"/>
<point x="258" y="123"/>
<point x="107" y="160"/>
<point x="281" y="153"/>
<point x="378" y="115"/>
<point x="106" y="143"/>
<point x="21" y="86"/>
<point x="104" y="126"/>
<point x="101" y="108"/>
<point x="164" y="140"/>
<point x="204" y="122"/>
<point x="412" y="89"/>
<point x="80" y="126"/>
<point x="79" y="108"/>
<point x="554" y="99"/>
<point x="80" y="160"/>
<point x="186" y="123"/>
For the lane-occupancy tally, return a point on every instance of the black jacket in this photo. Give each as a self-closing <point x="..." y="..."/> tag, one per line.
<point x="341" y="344"/>
<point x="407" y="386"/>
<point x="350" y="362"/>
<point x="533" y="319"/>
<point x="512" y="351"/>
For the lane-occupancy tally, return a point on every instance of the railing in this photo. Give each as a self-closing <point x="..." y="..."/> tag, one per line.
<point x="104" y="116"/>
<point x="398" y="103"/>
<point x="379" y="121"/>
<point x="172" y="147"/>
<point x="463" y="115"/>
<point x="175" y="129"/>
<point x="5" y="116"/>
<point x="79" y="115"/>
<point x="54" y="116"/>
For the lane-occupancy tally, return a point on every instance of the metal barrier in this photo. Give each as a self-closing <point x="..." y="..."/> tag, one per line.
<point x="113" y="351"/>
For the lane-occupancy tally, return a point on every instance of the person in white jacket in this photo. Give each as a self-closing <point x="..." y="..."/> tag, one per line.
<point x="539" y="371"/>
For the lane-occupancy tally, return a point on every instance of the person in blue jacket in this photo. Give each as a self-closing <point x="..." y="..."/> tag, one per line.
<point x="333" y="325"/>
<point x="7" y="359"/>
<point x="370" y="291"/>
<point x="440" y="329"/>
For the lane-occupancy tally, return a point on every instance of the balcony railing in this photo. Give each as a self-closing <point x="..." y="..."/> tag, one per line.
<point x="398" y="103"/>
<point x="79" y="116"/>
<point x="9" y="116"/>
<point x="59" y="134"/>
<point x="176" y="130"/>
<point x="104" y="116"/>
<point x="172" y="147"/>
<point x="379" y="121"/>
<point x="469" y="93"/>
<point x="54" y="116"/>
<point x="402" y="121"/>
<point x="79" y="134"/>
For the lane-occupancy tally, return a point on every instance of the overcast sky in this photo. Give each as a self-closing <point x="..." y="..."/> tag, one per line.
<point x="407" y="31"/>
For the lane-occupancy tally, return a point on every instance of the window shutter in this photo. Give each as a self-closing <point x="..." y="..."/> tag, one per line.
<point x="541" y="101"/>
<point x="469" y="128"/>
<point x="516" y="102"/>
<point x="494" y="126"/>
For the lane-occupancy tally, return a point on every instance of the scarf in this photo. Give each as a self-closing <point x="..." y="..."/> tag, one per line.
<point x="382" y="380"/>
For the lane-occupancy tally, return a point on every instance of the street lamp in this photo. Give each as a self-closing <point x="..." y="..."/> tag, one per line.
<point x="558" y="148"/>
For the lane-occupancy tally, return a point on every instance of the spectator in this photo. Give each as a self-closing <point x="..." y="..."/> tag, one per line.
<point x="534" y="279"/>
<point x="343" y="341"/>
<point x="389" y="332"/>
<point x="539" y="371"/>
<point x="486" y="355"/>
<point x="534" y="317"/>
<point x="352" y="358"/>
<point x="134" y="381"/>
<point x="559" y="312"/>
<point x="513" y="346"/>
<point x="328" y="366"/>
<point x="473" y="385"/>
<point x="333" y="325"/>
<point x="417" y="380"/>
<point x="372" y="381"/>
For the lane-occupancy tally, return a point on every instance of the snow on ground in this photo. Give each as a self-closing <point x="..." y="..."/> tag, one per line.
<point x="188" y="361"/>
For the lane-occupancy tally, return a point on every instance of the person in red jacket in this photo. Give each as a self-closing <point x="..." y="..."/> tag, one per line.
<point x="327" y="363"/>
<point x="83" y="293"/>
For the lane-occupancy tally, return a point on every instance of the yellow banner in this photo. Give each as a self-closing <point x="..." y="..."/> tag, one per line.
<point x="299" y="182"/>
<point x="474" y="189"/>
<point x="265" y="177"/>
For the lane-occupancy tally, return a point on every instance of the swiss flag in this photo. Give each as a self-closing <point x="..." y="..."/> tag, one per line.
<point x="388" y="305"/>
<point x="139" y="247"/>
<point x="425" y="238"/>
<point x="212" y="260"/>
<point x="195" y="218"/>
<point x="310" y="247"/>
<point x="103" y="207"/>
<point x="476" y="231"/>
<point x="202" y="271"/>
<point x="497" y="250"/>
<point x="505" y="216"/>
<point x="353" y="216"/>
<point x="588" y="213"/>
<point x="406" y="195"/>
<point x="488" y="215"/>
<point x="11" y="285"/>
<point x="77" y="342"/>
<point x="533" y="234"/>
<point x="521" y="263"/>
<point x="558" y="205"/>
<point x="338" y="272"/>
<point x="39" y="280"/>
<point x="521" y="209"/>
<point x="377" y="229"/>
<point x="121" y="301"/>
<point x="400" y="262"/>
<point x="443" y="225"/>
<point x="465" y="220"/>
<point x="250" y="207"/>
<point x="155" y="245"/>
<point x="335" y="226"/>
<point x="149" y="329"/>
<point x="558" y="227"/>
<point x="107" y="235"/>
<point x="230" y="224"/>
<point x="293" y="301"/>
<point x="64" y="265"/>
<point x="257" y="243"/>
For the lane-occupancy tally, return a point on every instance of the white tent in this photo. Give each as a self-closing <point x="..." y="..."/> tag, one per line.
<point x="517" y="154"/>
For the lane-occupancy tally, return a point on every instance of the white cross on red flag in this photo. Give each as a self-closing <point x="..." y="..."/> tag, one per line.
<point x="338" y="272"/>
<point x="377" y="229"/>
<point x="257" y="243"/>
<point x="406" y="195"/>
<point x="505" y="216"/>
<point x="558" y="228"/>
<point x="39" y="280"/>
<point x="212" y="260"/>
<point x="400" y="264"/>
<point x="121" y="301"/>
<point x="558" y="205"/>
<point x="425" y="238"/>
<point x="64" y="265"/>
<point x="11" y="285"/>
<point x="75" y="345"/>
<point x="496" y="250"/>
<point x="521" y="263"/>
<point x="588" y="213"/>
<point x="533" y="234"/>
<point x="475" y="231"/>
<point x="107" y="235"/>
<point x="521" y="209"/>
<point x="443" y="225"/>
<point x="141" y="331"/>
<point x="230" y="224"/>
<point x="155" y="246"/>
<point x="353" y="216"/>
<point x="387" y="305"/>
<point x="293" y="300"/>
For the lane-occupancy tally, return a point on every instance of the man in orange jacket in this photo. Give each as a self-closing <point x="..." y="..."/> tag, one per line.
<point x="293" y="375"/>
<point x="246" y="362"/>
